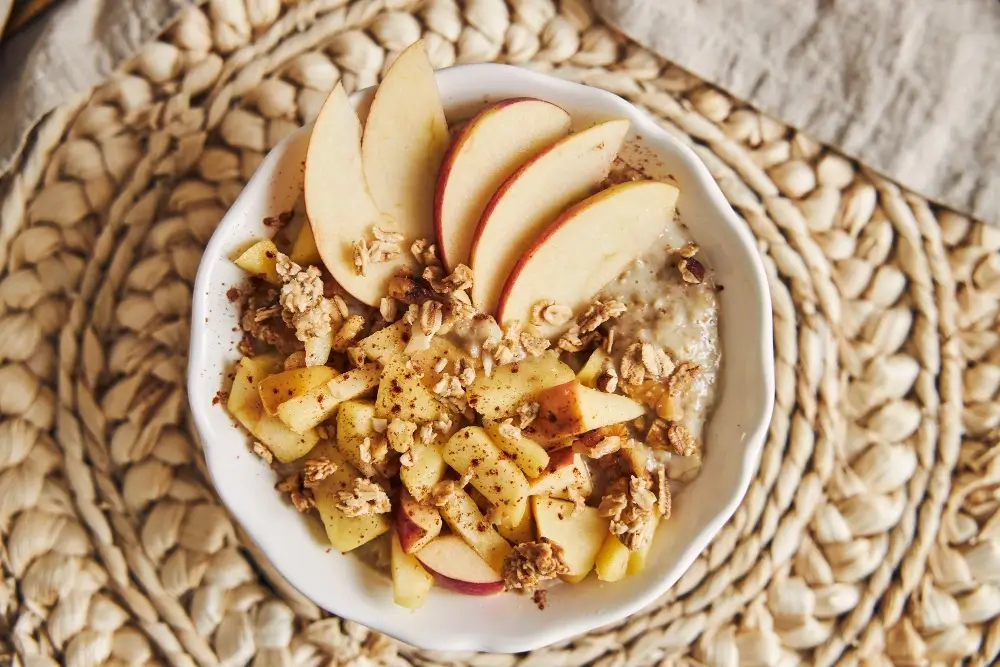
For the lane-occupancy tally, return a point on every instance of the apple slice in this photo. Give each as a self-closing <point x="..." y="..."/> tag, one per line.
<point x="456" y="566"/>
<point x="571" y="408"/>
<point x="532" y="197"/>
<point x="406" y="136"/>
<point x="344" y="532"/>
<point x="260" y="259"/>
<point x="612" y="559"/>
<point x="466" y="521"/>
<point x="529" y="456"/>
<point x="304" y="251"/>
<point x="319" y="403"/>
<point x="568" y="475"/>
<point x="581" y="533"/>
<point x="355" y="424"/>
<point x="637" y="559"/>
<point x="280" y="387"/>
<point x="522" y="532"/>
<point x="588" y="374"/>
<point x="338" y="203"/>
<point x="486" y="151"/>
<point x="493" y="474"/>
<point x="410" y="581"/>
<point x="587" y="246"/>
<point x="427" y="470"/>
<point x="416" y="524"/>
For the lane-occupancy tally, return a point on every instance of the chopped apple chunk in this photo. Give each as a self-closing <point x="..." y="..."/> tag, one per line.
<point x="580" y="531"/>
<point x="495" y="476"/>
<point x="572" y="408"/>
<point x="318" y="404"/>
<point x="410" y="581"/>
<point x="457" y="566"/>
<point x="345" y="532"/>
<point x="529" y="456"/>
<point x="280" y="387"/>
<point x="259" y="260"/>
<point x="465" y="520"/>
<point x="498" y="395"/>
<point x="416" y="524"/>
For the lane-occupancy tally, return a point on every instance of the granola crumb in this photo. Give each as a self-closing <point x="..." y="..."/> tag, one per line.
<point x="629" y="504"/>
<point x="683" y="376"/>
<point x="607" y="379"/>
<point x="527" y="412"/>
<point x="289" y="484"/>
<point x="530" y="563"/>
<point x="607" y="445"/>
<point x="663" y="498"/>
<point x="315" y="471"/>
<point x="431" y="317"/>
<point x="302" y="500"/>
<point x="233" y="294"/>
<point x="388" y="308"/>
<point x="263" y="452"/>
<point x="400" y="434"/>
<point x="547" y="311"/>
<point x="356" y="356"/>
<point x="458" y="280"/>
<point x="441" y="493"/>
<point x="681" y="440"/>
<point x="692" y="271"/>
<point x="364" y="498"/>
<point x="541" y="598"/>
<point x="425" y="252"/>
<point x="341" y="306"/>
<point x="534" y="345"/>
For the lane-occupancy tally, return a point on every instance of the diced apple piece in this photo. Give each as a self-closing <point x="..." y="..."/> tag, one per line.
<point x="532" y="197"/>
<point x="402" y="395"/>
<point x="483" y="154"/>
<point x="318" y="404"/>
<point x="386" y="344"/>
<point x="284" y="443"/>
<point x="354" y="426"/>
<point x="244" y="402"/>
<point x="318" y="349"/>
<point x="410" y="581"/>
<point x="493" y="474"/>
<point x="280" y="387"/>
<point x="579" y="533"/>
<point x="612" y="559"/>
<point x="339" y="205"/>
<point x="304" y="251"/>
<point x="591" y="243"/>
<point x="637" y="559"/>
<point x="456" y="566"/>
<point x="569" y="477"/>
<point x="588" y="374"/>
<point x="416" y="524"/>
<point x="572" y="408"/>
<point x="259" y="260"/>
<point x="498" y="395"/>
<point x="466" y="521"/>
<point x="345" y="532"/>
<point x="405" y="138"/>
<point x="427" y="470"/>
<point x="522" y="532"/>
<point x="529" y="456"/>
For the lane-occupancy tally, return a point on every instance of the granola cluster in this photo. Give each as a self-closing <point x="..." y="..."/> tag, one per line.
<point x="630" y="504"/>
<point x="365" y="497"/>
<point x="304" y="307"/>
<point x="530" y="563"/>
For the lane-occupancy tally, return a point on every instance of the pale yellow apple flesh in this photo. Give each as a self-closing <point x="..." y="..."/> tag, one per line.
<point x="572" y="408"/>
<point x="405" y="138"/>
<point x="416" y="524"/>
<point x="345" y="532"/>
<point x="482" y="156"/>
<point x="589" y="245"/>
<point x="411" y="583"/>
<point x="338" y="202"/>
<point x="455" y="565"/>
<point x="531" y="198"/>
<point x="579" y="531"/>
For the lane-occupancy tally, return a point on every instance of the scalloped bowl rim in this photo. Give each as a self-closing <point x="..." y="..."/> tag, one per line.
<point x="506" y="623"/>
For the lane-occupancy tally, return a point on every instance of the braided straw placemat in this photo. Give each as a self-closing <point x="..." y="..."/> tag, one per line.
<point x="869" y="536"/>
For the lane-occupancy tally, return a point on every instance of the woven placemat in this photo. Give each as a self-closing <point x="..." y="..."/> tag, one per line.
<point x="869" y="536"/>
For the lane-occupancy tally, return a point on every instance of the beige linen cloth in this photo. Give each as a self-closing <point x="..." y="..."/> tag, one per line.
<point x="908" y="87"/>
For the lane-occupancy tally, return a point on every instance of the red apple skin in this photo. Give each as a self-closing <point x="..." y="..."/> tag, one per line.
<point x="467" y="587"/>
<point x="448" y="162"/>
<point x="416" y="524"/>
<point x="559" y="414"/>
<point x="561" y="458"/>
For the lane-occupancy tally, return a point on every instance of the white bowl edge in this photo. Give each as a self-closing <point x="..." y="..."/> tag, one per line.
<point x="505" y="624"/>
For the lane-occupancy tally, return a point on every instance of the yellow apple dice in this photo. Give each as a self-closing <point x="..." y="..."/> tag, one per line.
<point x="304" y="251"/>
<point x="588" y="374"/>
<point x="567" y="477"/>
<point x="483" y="154"/>
<point x="529" y="456"/>
<point x="637" y="560"/>
<point x="338" y="203"/>
<point x="416" y="524"/>
<point x="280" y="387"/>
<point x="532" y="197"/>
<point x="318" y="404"/>
<point x="571" y="408"/>
<point x="498" y="395"/>
<point x="457" y="566"/>
<point x="259" y="260"/>
<point x="402" y="395"/>
<point x="465" y="520"/>
<point x="581" y="533"/>
<point x="387" y="343"/>
<point x="588" y="245"/>
<point x="344" y="532"/>
<point x="410" y="581"/>
<point x="522" y="532"/>
<point x="493" y="474"/>
<point x="405" y="138"/>
<point x="355" y="426"/>
<point x="245" y="404"/>
<point x="427" y="470"/>
<point x="612" y="560"/>
<point x="318" y="348"/>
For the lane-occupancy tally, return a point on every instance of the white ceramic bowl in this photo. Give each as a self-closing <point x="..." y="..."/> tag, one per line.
<point x="501" y="623"/>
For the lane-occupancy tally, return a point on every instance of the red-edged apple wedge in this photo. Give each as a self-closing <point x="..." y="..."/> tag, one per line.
<point x="406" y="136"/>
<point x="571" y="408"/>
<point x="456" y="566"/>
<point x="338" y="203"/>
<point x="566" y="477"/>
<point x="494" y="143"/>
<point x="410" y="581"/>
<point x="532" y="197"/>
<point x="587" y="246"/>
<point x="416" y="524"/>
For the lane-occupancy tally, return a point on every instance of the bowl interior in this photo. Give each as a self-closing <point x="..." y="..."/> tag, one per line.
<point x="501" y="623"/>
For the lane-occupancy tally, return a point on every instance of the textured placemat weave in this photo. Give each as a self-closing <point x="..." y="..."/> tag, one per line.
<point x="870" y="534"/>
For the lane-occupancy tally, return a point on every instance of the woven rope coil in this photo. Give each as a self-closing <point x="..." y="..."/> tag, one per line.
<point x="870" y="535"/>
